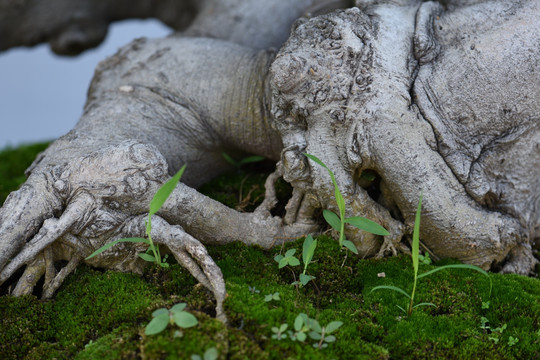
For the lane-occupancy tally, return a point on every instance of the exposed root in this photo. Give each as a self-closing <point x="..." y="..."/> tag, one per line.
<point x="270" y="197"/>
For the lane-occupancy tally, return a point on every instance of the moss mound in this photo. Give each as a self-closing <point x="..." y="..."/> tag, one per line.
<point x="102" y="315"/>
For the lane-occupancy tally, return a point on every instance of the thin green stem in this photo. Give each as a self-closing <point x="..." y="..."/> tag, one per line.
<point x="341" y="232"/>
<point x="411" y="303"/>
<point x="156" y="254"/>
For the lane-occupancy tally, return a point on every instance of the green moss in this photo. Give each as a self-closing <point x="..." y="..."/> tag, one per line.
<point x="13" y="163"/>
<point x="102" y="315"/>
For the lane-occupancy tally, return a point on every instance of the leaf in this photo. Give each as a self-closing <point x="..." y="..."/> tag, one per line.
<point x="298" y="323"/>
<point x="230" y="160"/>
<point x="164" y="192"/>
<point x="294" y="261"/>
<point x="196" y="357"/>
<point x="316" y="159"/>
<point x="185" y="320"/>
<point x="112" y="243"/>
<point x="315" y="335"/>
<point x="290" y="252"/>
<point x="283" y="327"/>
<point x="333" y="326"/>
<point x="308" y="250"/>
<point x="460" y="266"/>
<point x="282" y="263"/>
<point x="251" y="159"/>
<point x="350" y="245"/>
<point x="147" y="257"/>
<point x="159" y="312"/>
<point x="304" y="279"/>
<point x="402" y="309"/>
<point x="332" y="219"/>
<point x="301" y="337"/>
<point x="275" y="296"/>
<point x="178" y="307"/>
<point x="390" y="287"/>
<point x="416" y="236"/>
<point x="211" y="354"/>
<point x="339" y="198"/>
<point x="367" y="225"/>
<point x="157" y="325"/>
<point x="330" y="339"/>
<point x="424" y="304"/>
<point x="278" y="258"/>
<point x="314" y="325"/>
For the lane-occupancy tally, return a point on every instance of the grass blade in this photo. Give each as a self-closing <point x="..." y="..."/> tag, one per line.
<point x="163" y="193"/>
<point x="460" y="266"/>
<point x="317" y="160"/>
<point x="390" y="287"/>
<point x="416" y="236"/>
<point x="230" y="160"/>
<point x="251" y="159"/>
<point x="367" y="225"/>
<point x="112" y="243"/>
<point x="402" y="309"/>
<point x="424" y="304"/>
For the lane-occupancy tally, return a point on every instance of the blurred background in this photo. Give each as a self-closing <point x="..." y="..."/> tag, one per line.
<point x="42" y="95"/>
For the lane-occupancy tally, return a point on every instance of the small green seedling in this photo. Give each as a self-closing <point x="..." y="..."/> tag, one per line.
<point x="322" y="334"/>
<point x="152" y="254"/>
<point x="338" y="222"/>
<point x="210" y="354"/>
<point x="246" y="160"/>
<point x="415" y="259"/>
<point x="279" y="333"/>
<point x="425" y="259"/>
<point x="308" y="250"/>
<point x="301" y="328"/>
<point x="288" y="259"/>
<point x="254" y="290"/>
<point x="176" y="315"/>
<point x="270" y="297"/>
<point x="512" y="341"/>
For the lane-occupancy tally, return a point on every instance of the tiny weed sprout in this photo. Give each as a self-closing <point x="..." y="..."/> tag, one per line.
<point x="176" y="315"/>
<point x="210" y="354"/>
<point x="512" y="341"/>
<point x="270" y="297"/>
<point x="152" y="254"/>
<point x="288" y="259"/>
<point x="279" y="333"/>
<point x="338" y="222"/>
<point x="301" y="328"/>
<point x="322" y="334"/>
<point x="308" y="250"/>
<point x="246" y="160"/>
<point x="415" y="259"/>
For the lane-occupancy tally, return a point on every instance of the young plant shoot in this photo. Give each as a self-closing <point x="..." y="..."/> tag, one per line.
<point x="152" y="254"/>
<point x="338" y="221"/>
<point x="415" y="259"/>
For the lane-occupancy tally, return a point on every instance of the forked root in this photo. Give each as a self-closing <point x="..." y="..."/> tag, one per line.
<point x="189" y="252"/>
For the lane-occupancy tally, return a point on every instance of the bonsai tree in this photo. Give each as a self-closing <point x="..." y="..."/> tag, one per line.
<point x="394" y="97"/>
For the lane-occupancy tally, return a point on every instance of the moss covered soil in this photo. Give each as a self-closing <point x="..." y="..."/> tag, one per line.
<point x="100" y="314"/>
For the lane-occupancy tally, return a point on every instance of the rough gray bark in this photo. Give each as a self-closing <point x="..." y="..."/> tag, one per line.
<point x="426" y="98"/>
